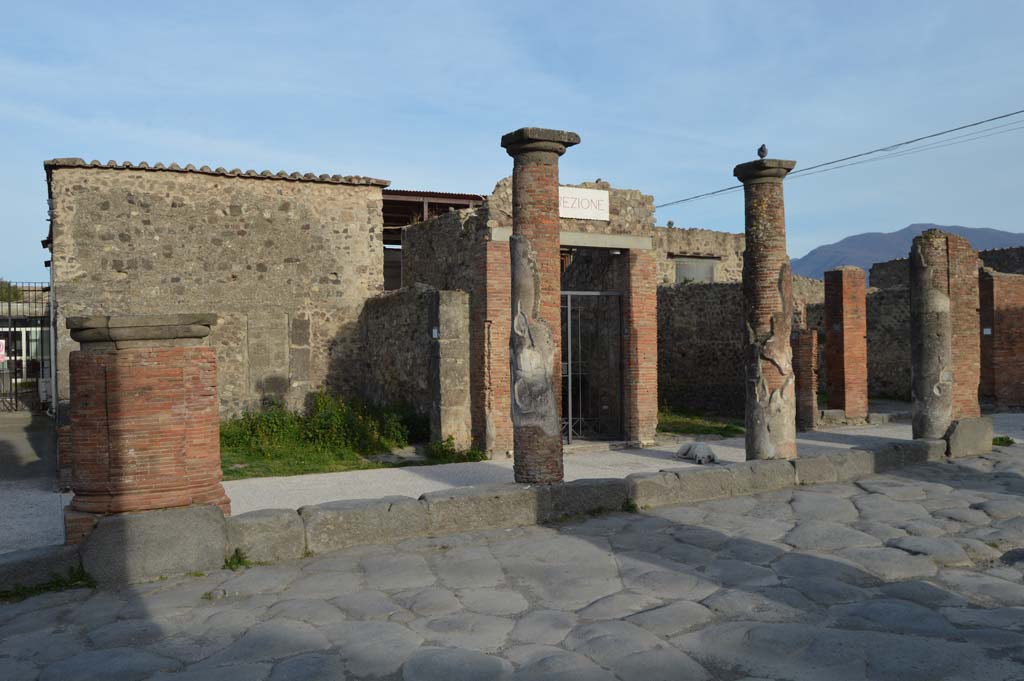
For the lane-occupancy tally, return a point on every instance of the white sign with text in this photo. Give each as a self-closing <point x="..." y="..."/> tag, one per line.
<point x="583" y="204"/>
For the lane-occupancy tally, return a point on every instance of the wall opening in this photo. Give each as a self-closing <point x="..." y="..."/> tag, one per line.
<point x="592" y="342"/>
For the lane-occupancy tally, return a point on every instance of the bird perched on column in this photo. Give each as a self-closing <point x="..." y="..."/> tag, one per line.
<point x="762" y="151"/>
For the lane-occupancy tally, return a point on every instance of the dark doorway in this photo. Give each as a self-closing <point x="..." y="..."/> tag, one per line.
<point x="592" y="397"/>
<point x="591" y="365"/>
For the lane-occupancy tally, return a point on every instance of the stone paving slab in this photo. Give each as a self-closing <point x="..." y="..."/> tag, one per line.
<point x="868" y="580"/>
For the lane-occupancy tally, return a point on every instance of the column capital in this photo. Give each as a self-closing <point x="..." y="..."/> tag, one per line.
<point x="525" y="140"/>
<point x="763" y="170"/>
<point x="134" y="331"/>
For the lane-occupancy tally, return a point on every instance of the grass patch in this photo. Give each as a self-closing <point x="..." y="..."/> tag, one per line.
<point x="77" y="578"/>
<point x="1003" y="441"/>
<point x="237" y="561"/>
<point x="446" y="452"/>
<point x="331" y="435"/>
<point x="689" y="423"/>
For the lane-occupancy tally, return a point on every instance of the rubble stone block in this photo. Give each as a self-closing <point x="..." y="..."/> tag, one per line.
<point x="970" y="437"/>
<point x="585" y="496"/>
<point x="482" y="507"/>
<point x="897" y="454"/>
<point x="814" y="470"/>
<point x="32" y="567"/>
<point x="138" y="547"/>
<point x="650" y="490"/>
<point x="763" y="475"/>
<point x="705" y="484"/>
<point x="267" y="536"/>
<point x="852" y="464"/>
<point x="340" y="524"/>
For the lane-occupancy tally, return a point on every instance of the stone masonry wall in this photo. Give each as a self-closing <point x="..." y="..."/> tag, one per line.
<point x="705" y="243"/>
<point x="700" y="348"/>
<point x="888" y="331"/>
<point x="286" y="262"/>
<point x="417" y="353"/>
<point x="700" y="342"/>
<point x="897" y="272"/>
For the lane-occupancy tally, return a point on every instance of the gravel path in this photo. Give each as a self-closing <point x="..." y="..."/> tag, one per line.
<point x="913" y="575"/>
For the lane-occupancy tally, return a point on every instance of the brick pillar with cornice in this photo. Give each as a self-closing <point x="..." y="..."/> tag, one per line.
<point x="145" y="422"/>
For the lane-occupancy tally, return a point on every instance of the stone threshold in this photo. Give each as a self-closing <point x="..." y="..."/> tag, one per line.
<point x="199" y="538"/>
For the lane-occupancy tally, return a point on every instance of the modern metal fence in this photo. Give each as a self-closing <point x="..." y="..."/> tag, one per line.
<point x="25" y="339"/>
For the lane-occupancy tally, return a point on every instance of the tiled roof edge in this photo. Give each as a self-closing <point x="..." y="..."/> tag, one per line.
<point x="206" y="170"/>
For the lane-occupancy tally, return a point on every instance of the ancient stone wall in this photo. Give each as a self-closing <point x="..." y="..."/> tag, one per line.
<point x="1006" y="260"/>
<point x="417" y="353"/>
<point x="1002" y="338"/>
<point x="890" y="274"/>
<point x="700" y="351"/>
<point x="700" y="347"/>
<point x="897" y="272"/>
<point x="287" y="262"/>
<point x="888" y="331"/>
<point x="724" y="248"/>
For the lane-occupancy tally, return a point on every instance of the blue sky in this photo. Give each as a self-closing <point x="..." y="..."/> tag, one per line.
<point x="667" y="97"/>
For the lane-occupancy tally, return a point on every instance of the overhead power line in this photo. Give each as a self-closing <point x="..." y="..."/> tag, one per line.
<point x="889" y="151"/>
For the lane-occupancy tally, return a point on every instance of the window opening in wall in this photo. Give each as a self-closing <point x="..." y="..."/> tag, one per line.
<point x="693" y="269"/>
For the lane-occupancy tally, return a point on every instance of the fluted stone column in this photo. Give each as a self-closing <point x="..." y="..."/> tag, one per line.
<point x="536" y="302"/>
<point x="931" y="331"/>
<point x="768" y="313"/>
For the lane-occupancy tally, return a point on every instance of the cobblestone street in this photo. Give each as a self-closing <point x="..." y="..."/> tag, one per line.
<point x="910" y="575"/>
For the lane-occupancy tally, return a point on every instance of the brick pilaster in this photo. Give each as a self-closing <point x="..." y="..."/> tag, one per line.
<point x="805" y="369"/>
<point x="640" y="363"/>
<point x="846" y="348"/>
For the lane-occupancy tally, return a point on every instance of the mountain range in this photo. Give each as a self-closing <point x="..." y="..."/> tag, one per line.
<point x="864" y="250"/>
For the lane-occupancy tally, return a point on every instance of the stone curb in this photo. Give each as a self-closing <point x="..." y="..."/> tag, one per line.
<point x="174" y="541"/>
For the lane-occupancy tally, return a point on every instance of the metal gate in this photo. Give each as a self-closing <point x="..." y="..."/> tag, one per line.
<point x="25" y="357"/>
<point x="591" y="365"/>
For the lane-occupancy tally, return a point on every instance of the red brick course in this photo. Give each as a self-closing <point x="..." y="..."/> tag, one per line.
<point x="846" y="364"/>
<point x="1002" y="348"/>
<point x="145" y="430"/>
<point x="805" y="367"/>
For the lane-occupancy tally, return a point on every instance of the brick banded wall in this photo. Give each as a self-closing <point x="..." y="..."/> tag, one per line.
<point x="1002" y="338"/>
<point x="417" y="353"/>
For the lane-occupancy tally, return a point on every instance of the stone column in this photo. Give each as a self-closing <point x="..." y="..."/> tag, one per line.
<point x="536" y="302"/>
<point x="846" y="344"/>
<point x="768" y="313"/>
<point x="145" y="421"/>
<point x="931" y="351"/>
